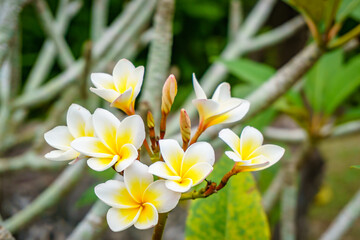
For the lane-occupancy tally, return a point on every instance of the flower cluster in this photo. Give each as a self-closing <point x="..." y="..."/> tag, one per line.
<point x="104" y="142"/>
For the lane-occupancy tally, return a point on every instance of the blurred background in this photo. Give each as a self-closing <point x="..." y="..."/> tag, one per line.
<point x="49" y="48"/>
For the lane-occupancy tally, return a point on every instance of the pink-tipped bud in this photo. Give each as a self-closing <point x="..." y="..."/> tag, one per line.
<point x="168" y="94"/>
<point x="185" y="126"/>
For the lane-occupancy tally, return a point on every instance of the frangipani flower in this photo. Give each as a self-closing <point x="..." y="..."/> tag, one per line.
<point x="183" y="170"/>
<point x="221" y="108"/>
<point x="122" y="87"/>
<point x="79" y="124"/>
<point x="115" y="142"/>
<point x="137" y="200"/>
<point x="248" y="151"/>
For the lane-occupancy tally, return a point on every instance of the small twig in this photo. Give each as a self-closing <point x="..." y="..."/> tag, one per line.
<point x="344" y="220"/>
<point x="51" y="196"/>
<point x="5" y="78"/>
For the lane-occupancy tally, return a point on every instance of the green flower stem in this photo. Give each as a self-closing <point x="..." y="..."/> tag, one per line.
<point x="160" y="226"/>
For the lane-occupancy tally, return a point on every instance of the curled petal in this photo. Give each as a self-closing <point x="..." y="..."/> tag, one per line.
<point x="197" y="153"/>
<point x="121" y="73"/>
<point x="172" y="154"/>
<point x="121" y="219"/>
<point x="222" y="93"/>
<point x="131" y="130"/>
<point x="148" y="217"/>
<point x="206" y="108"/>
<point x="231" y="139"/>
<point x="61" y="155"/>
<point x="234" y="156"/>
<point x="103" y="81"/>
<point x="199" y="92"/>
<point x="101" y="164"/>
<point x="59" y="137"/>
<point x="115" y="194"/>
<point x="123" y="101"/>
<point x="256" y="164"/>
<point x="137" y="178"/>
<point x="161" y="197"/>
<point x="136" y="80"/>
<point x="271" y="152"/>
<point x="128" y="155"/>
<point x="160" y="169"/>
<point x="179" y="186"/>
<point x="108" y="94"/>
<point x="76" y="119"/>
<point x="237" y="113"/>
<point x="250" y="139"/>
<point x="198" y="172"/>
<point x="91" y="146"/>
<point x="105" y="126"/>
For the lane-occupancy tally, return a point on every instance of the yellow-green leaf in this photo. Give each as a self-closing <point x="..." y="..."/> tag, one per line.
<point x="233" y="213"/>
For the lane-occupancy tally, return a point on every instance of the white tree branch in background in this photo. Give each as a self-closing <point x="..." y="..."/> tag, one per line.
<point x="45" y="60"/>
<point x="344" y="220"/>
<point x="51" y="196"/>
<point x="47" y="21"/>
<point x="99" y="17"/>
<point x="159" y="57"/>
<point x="115" y="31"/>
<point x="218" y="72"/>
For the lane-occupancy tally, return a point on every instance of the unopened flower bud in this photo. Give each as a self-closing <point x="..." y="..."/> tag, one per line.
<point x="168" y="94"/>
<point x="150" y="120"/>
<point x="185" y="127"/>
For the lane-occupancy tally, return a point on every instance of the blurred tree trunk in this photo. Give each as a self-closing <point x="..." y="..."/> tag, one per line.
<point x="311" y="177"/>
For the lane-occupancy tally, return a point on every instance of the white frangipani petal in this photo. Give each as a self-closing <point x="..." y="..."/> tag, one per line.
<point x="76" y="119"/>
<point x="197" y="153"/>
<point x="251" y="139"/>
<point x="91" y="146"/>
<point x="230" y="138"/>
<point x="103" y="81"/>
<point x="138" y="76"/>
<point x="160" y="169"/>
<point x="172" y="154"/>
<point x="273" y="153"/>
<point x="148" y="217"/>
<point x="121" y="72"/>
<point x="120" y="219"/>
<point x="59" y="137"/>
<point x="101" y="164"/>
<point x="180" y="187"/>
<point x="115" y="194"/>
<point x="61" y="155"/>
<point x="233" y="156"/>
<point x="131" y="130"/>
<point x="198" y="172"/>
<point x="128" y="155"/>
<point x="108" y="94"/>
<point x="200" y="94"/>
<point x="137" y="178"/>
<point x="237" y="113"/>
<point x="161" y="197"/>
<point x="105" y="126"/>
<point x="222" y="93"/>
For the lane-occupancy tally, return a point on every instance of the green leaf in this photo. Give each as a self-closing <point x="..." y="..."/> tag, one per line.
<point x="242" y="90"/>
<point x="356" y="167"/>
<point x="344" y="83"/>
<point x="233" y="213"/>
<point x="355" y="14"/>
<point x="319" y="77"/>
<point x="350" y="115"/>
<point x="87" y="198"/>
<point x="249" y="71"/>
<point x="347" y="7"/>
